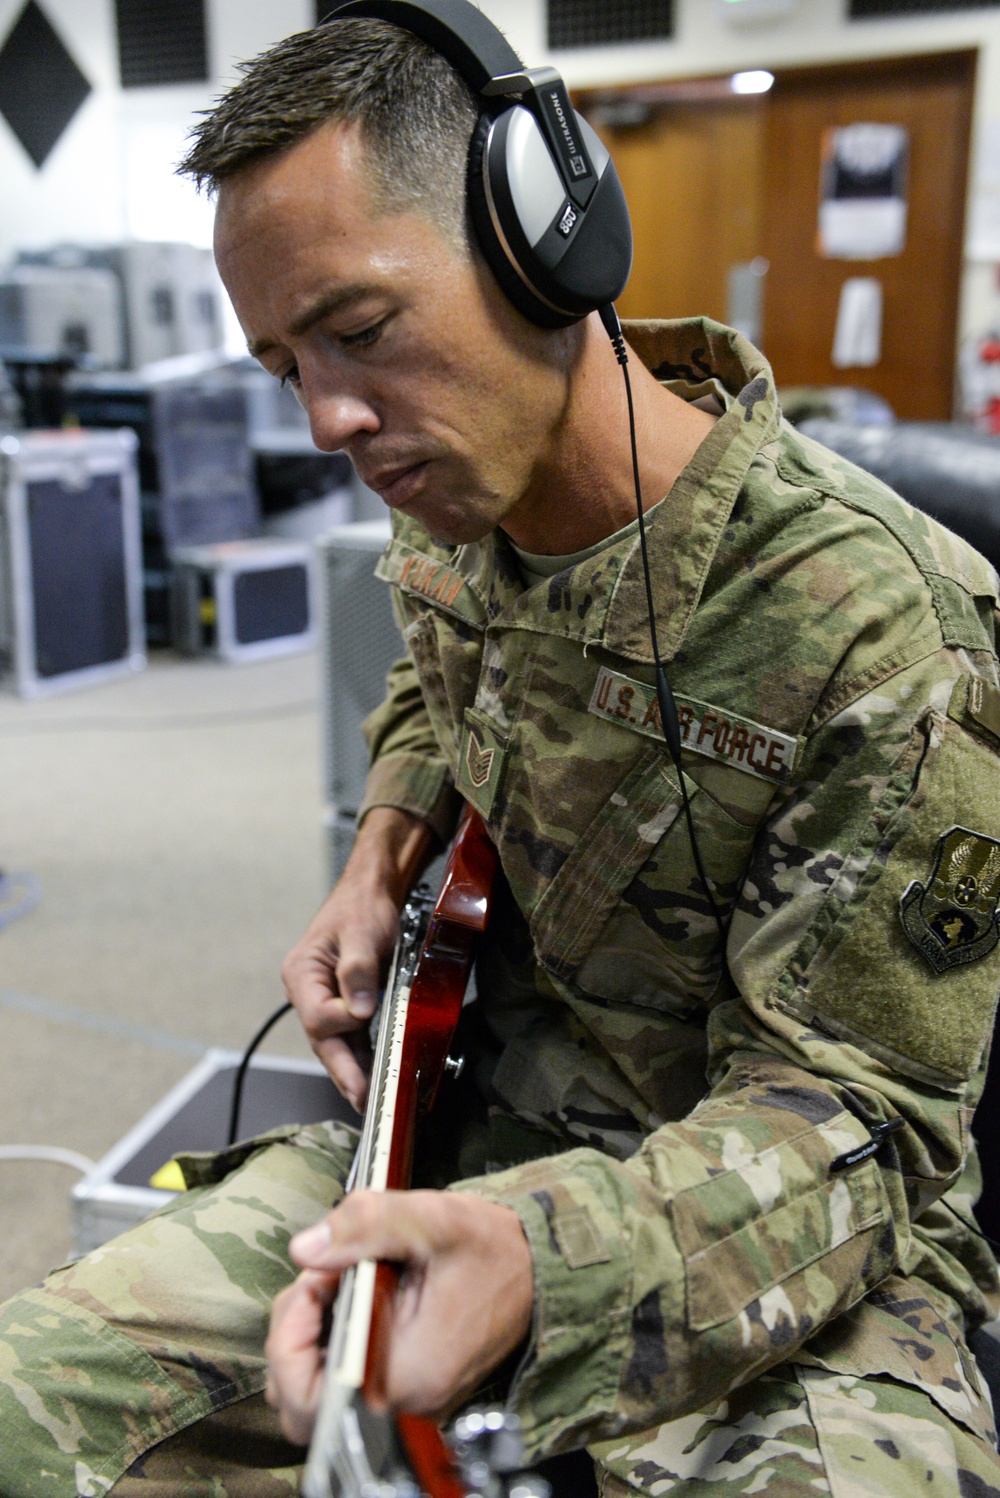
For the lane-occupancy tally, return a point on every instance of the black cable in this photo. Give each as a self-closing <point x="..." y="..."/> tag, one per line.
<point x="669" y="720"/>
<point x="241" y="1070"/>
<point x="968" y="1226"/>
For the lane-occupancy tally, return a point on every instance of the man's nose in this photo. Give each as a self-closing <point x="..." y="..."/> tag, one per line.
<point x="335" y="418"/>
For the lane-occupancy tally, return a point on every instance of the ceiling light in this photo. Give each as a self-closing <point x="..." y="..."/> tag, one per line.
<point x="757" y="81"/>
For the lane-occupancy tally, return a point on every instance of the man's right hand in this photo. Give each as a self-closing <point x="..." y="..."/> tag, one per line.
<point x="333" y="974"/>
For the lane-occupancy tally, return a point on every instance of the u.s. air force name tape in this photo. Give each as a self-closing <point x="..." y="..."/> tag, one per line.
<point x="711" y="731"/>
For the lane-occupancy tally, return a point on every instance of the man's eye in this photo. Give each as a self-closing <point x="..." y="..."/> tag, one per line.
<point x="290" y="377"/>
<point x="365" y="338"/>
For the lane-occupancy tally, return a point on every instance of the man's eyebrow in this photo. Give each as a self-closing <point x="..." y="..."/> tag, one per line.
<point x="329" y="302"/>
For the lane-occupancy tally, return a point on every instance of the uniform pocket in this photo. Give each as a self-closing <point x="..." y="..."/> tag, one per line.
<point x="726" y="1275"/>
<point x="611" y="851"/>
<point x="900" y="1332"/>
<point x="447" y="666"/>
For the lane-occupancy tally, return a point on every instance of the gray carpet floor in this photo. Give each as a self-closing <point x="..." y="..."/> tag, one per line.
<point x="173" y="821"/>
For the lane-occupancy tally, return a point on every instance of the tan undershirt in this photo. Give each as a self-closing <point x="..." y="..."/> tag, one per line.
<point x="537" y="567"/>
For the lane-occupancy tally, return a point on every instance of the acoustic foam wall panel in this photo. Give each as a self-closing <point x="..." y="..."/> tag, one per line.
<point x="41" y="87"/>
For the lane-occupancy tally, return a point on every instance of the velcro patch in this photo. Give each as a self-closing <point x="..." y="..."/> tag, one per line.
<point x="431" y="578"/>
<point x="712" y="731"/>
<point x="579" y="1241"/>
<point x="480" y="761"/>
<point x="434" y="580"/>
<point x="984" y="704"/>
<point x="952" y="917"/>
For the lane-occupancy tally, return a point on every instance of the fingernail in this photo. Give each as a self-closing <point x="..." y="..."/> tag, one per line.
<point x="362" y="1003"/>
<point x="311" y="1240"/>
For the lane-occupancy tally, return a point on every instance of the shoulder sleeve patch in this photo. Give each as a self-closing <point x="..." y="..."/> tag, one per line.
<point x="951" y="917"/>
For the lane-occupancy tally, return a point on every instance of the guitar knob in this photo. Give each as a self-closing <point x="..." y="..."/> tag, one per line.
<point x="529" y="1485"/>
<point x="488" y="1444"/>
<point x="454" y="1066"/>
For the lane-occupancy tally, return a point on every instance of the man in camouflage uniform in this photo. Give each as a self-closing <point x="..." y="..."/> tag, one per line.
<point x="714" y="1204"/>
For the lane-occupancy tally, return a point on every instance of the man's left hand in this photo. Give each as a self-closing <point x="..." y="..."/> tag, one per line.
<point x="465" y="1299"/>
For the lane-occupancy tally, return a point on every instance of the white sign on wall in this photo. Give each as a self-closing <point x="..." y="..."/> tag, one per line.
<point x="984" y="217"/>
<point x="862" y="210"/>
<point x="857" y="341"/>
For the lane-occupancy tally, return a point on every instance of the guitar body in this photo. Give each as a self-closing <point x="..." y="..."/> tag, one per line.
<point x="460" y="915"/>
<point x="356" y="1453"/>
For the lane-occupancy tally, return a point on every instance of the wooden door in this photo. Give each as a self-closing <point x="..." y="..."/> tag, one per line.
<point x="931" y="97"/>
<point x="714" y="181"/>
<point x="691" y="169"/>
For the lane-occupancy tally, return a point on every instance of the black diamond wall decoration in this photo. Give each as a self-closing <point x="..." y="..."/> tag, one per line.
<point x="41" y="87"/>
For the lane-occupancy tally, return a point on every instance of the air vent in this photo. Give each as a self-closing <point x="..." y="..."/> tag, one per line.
<point x="41" y="87"/>
<point x="161" y="41"/>
<point x="599" y="23"/>
<point x="863" y="10"/>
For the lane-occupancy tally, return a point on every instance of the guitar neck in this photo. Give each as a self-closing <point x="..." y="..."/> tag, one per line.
<point x="355" y="1453"/>
<point x="382" y="1139"/>
<point x="381" y="1128"/>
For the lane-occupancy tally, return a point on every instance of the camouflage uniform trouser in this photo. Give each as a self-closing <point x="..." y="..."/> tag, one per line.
<point x="140" y="1370"/>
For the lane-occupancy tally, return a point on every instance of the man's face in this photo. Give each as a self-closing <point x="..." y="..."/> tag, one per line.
<point x="399" y="345"/>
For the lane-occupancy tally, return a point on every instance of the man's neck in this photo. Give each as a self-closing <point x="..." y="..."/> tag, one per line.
<point x="584" y="490"/>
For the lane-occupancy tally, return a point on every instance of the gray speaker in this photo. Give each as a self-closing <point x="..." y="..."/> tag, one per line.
<point x="360" y="643"/>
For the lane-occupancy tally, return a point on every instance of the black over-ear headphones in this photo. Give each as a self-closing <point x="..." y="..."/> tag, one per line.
<point x="544" y="197"/>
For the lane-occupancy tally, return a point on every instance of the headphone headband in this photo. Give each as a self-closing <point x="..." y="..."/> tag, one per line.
<point x="476" y="49"/>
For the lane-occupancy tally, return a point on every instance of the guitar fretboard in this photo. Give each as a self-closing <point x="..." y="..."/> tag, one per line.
<point x="348" y="1350"/>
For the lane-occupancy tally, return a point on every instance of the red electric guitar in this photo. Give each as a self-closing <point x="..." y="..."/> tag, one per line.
<point x="356" y="1453"/>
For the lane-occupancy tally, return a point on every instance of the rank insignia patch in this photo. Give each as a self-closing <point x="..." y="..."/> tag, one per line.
<point x="953" y="918"/>
<point x="480" y="761"/>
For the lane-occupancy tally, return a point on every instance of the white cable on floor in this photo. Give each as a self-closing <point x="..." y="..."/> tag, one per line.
<point x="52" y="1153"/>
<point x="19" y="894"/>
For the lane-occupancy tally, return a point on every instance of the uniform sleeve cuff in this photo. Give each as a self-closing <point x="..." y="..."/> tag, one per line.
<point x="411" y="783"/>
<point x="570" y="1375"/>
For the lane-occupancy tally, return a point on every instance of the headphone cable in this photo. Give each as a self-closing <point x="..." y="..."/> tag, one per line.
<point x="669" y="720"/>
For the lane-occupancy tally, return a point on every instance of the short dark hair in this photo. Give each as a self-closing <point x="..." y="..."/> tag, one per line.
<point x="415" y="113"/>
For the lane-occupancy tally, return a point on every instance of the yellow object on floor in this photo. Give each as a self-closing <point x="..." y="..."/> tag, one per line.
<point x="169" y="1177"/>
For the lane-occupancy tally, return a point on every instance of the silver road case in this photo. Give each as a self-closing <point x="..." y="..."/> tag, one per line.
<point x="70" y="560"/>
<point x="115" y="1194"/>
<point x="243" y="600"/>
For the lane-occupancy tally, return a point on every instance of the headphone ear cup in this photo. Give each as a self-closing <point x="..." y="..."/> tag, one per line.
<point x="495" y="252"/>
<point x="556" y="260"/>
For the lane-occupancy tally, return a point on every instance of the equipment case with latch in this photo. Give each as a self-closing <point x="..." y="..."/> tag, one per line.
<point x="70" y="560"/>
<point x="243" y="600"/>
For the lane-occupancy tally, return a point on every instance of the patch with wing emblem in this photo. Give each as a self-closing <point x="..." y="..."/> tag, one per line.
<point x="953" y="917"/>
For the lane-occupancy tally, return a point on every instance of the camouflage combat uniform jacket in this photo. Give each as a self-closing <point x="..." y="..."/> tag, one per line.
<point x="832" y="655"/>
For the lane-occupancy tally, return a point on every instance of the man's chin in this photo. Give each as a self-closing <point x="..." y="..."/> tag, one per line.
<point x="454" y="526"/>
